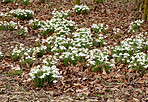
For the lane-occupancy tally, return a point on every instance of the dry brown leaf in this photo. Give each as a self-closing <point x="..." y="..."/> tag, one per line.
<point x="78" y="85"/>
<point x="96" y="76"/>
<point x="34" y="53"/>
<point x="136" y="100"/>
<point x="127" y="93"/>
<point x="110" y="100"/>
<point x="27" y="65"/>
<point x="121" y="66"/>
<point x="86" y="91"/>
<point x="76" y="69"/>
<point x="79" y="90"/>
<point x="117" y="100"/>
<point x="104" y="72"/>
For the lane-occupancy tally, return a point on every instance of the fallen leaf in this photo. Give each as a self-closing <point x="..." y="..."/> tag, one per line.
<point x="117" y="100"/>
<point x="104" y="72"/>
<point x="136" y="100"/>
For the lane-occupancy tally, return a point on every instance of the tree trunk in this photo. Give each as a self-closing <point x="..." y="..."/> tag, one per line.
<point x="145" y="10"/>
<point x="77" y="2"/>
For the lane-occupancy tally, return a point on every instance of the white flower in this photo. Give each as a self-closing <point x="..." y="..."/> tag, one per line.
<point x="55" y="81"/>
<point x="43" y="76"/>
<point x="111" y="65"/>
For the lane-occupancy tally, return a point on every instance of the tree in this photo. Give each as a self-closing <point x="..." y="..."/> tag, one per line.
<point x="77" y="2"/>
<point x="145" y="10"/>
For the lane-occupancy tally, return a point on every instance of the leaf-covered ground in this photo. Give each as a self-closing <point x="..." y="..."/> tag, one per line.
<point x="121" y="84"/>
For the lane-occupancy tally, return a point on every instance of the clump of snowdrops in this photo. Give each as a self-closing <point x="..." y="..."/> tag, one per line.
<point x="15" y="71"/>
<point x="21" y="30"/>
<point x="17" y="52"/>
<point x="41" y="74"/>
<point x="100" y="28"/>
<point x="4" y="25"/>
<point x="58" y="24"/>
<point x="61" y="14"/>
<point x="5" y="16"/>
<point x="27" y="55"/>
<point x="36" y="24"/>
<point x="22" y="14"/>
<point x="130" y="53"/>
<point x="81" y="9"/>
<point x="135" y="26"/>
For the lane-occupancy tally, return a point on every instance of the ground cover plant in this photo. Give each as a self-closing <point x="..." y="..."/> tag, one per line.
<point x="22" y="14"/>
<point x="8" y="1"/>
<point x="88" y="53"/>
<point x="25" y="2"/>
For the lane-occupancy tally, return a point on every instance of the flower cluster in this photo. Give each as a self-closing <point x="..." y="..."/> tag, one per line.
<point x="15" y="70"/>
<point x="100" y="28"/>
<point x="7" y="25"/>
<point x="27" y="55"/>
<point x="69" y="47"/>
<point x="74" y="55"/>
<point x="135" y="25"/>
<point x="73" y="47"/>
<point x="24" y="54"/>
<point x="81" y="9"/>
<point x="99" y="41"/>
<point x="4" y="14"/>
<point x="35" y="24"/>
<point x="22" y="14"/>
<point x="27" y="59"/>
<point x="61" y="14"/>
<point x="42" y="74"/>
<point x="1" y="54"/>
<point x="17" y="52"/>
<point x="130" y="52"/>
<point x="139" y="62"/>
<point x="56" y="24"/>
<point x="50" y="60"/>
<point x="21" y="30"/>
<point x="97" y="60"/>
<point x="116" y="31"/>
<point x="46" y="28"/>
<point x="40" y="50"/>
<point x="4" y="25"/>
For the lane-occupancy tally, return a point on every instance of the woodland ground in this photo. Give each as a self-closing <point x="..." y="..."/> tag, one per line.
<point x="78" y="84"/>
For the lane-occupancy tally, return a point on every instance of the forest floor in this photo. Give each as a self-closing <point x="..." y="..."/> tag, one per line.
<point x="121" y="84"/>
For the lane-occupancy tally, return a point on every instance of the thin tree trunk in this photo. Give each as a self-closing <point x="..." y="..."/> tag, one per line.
<point x="145" y="10"/>
<point x="77" y="2"/>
